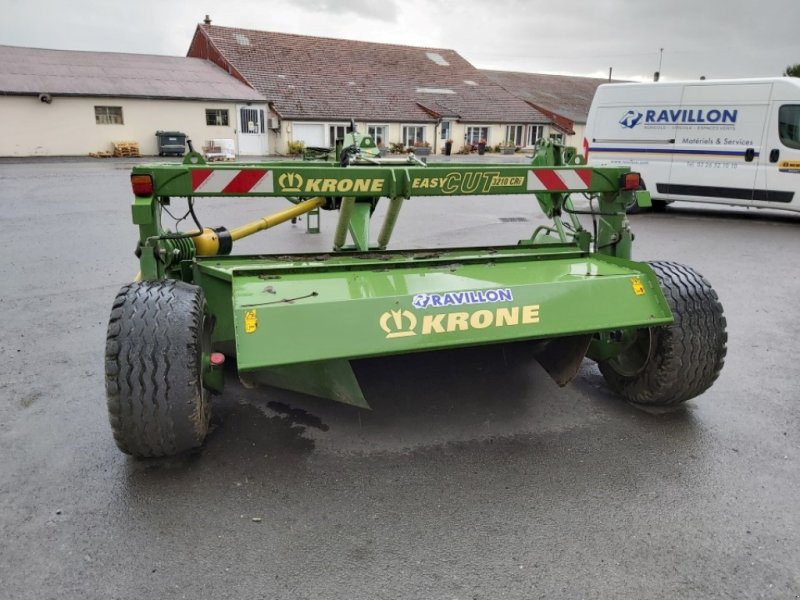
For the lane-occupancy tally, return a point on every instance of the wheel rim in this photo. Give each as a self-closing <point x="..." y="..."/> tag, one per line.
<point x="634" y="358"/>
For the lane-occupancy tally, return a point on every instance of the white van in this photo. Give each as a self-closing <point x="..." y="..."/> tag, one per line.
<point x="726" y="141"/>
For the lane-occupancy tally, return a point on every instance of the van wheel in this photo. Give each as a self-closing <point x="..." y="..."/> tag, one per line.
<point x="670" y="364"/>
<point x="659" y="205"/>
<point x="633" y="208"/>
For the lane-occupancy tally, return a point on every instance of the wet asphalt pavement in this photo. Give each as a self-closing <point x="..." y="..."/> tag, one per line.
<point x="473" y="477"/>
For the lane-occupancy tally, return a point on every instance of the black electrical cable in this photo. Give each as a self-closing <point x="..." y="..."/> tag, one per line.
<point x="179" y="235"/>
<point x="194" y="216"/>
<point x="174" y="218"/>
<point x="605" y="245"/>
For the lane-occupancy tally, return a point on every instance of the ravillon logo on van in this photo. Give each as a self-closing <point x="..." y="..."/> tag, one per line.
<point x="680" y="116"/>
<point x="631" y="119"/>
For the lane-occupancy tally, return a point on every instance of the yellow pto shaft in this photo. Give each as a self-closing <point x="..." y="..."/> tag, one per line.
<point x="208" y="242"/>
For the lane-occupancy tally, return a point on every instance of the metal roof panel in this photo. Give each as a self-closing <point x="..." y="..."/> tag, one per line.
<point x="67" y="72"/>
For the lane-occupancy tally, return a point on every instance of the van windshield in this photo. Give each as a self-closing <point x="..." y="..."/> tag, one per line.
<point x="789" y="125"/>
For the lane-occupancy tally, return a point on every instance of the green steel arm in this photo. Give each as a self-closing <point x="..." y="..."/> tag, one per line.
<point x="358" y="187"/>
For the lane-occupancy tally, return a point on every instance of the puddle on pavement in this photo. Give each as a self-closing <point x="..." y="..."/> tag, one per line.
<point x="298" y="416"/>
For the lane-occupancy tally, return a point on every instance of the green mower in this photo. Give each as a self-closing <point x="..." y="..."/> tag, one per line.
<point x="656" y="330"/>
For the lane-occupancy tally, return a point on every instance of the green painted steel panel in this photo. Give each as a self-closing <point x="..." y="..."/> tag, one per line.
<point x="333" y="379"/>
<point x="289" y="311"/>
<point x="309" y="179"/>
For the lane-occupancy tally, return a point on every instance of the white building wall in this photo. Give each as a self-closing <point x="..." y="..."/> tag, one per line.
<point x="67" y="126"/>
<point x="576" y="139"/>
<point x="394" y="134"/>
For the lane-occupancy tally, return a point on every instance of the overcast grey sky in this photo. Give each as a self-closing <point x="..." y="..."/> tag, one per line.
<point x="715" y="38"/>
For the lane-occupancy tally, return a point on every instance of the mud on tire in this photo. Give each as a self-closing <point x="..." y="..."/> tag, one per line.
<point x="157" y="334"/>
<point x="670" y="364"/>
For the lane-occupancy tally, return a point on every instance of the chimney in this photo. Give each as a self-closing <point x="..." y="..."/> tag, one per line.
<point x="207" y="20"/>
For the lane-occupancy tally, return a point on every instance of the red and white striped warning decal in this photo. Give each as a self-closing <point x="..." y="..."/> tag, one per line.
<point x="551" y="180"/>
<point x="232" y="181"/>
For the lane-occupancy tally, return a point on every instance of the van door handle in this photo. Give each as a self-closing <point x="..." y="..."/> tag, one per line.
<point x="774" y="155"/>
<point x="749" y="154"/>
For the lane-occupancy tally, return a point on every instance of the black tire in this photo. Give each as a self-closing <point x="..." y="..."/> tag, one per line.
<point x="157" y="334"/>
<point x="659" y="205"/>
<point x="633" y="208"/>
<point x="673" y="363"/>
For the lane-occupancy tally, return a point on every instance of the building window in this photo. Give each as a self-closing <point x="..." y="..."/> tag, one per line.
<point x="251" y="120"/>
<point x="476" y="134"/>
<point x="535" y="133"/>
<point x="377" y="133"/>
<point x="336" y="133"/>
<point x="514" y="135"/>
<point x="108" y="115"/>
<point x="413" y="135"/>
<point x="217" y="116"/>
<point x="789" y="125"/>
<point x="445" y="131"/>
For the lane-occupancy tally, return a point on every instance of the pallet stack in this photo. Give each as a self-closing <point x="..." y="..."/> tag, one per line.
<point x="126" y="149"/>
<point x="216" y="150"/>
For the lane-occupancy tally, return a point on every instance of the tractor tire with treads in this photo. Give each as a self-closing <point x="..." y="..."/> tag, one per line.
<point x="670" y="364"/>
<point x="158" y="333"/>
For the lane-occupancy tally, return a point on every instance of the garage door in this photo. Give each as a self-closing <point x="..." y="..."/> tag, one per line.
<point x="311" y="134"/>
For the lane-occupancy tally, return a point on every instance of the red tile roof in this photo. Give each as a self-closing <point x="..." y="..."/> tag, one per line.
<point x="323" y="78"/>
<point x="27" y="71"/>
<point x="564" y="95"/>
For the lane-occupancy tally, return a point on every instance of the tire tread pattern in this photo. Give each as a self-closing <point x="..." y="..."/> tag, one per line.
<point x="687" y="355"/>
<point x="157" y="405"/>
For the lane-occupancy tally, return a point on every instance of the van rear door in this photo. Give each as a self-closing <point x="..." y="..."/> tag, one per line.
<point x="718" y="142"/>
<point x="623" y="129"/>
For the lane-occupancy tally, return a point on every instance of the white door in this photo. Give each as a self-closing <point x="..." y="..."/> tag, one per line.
<point x="311" y="134"/>
<point x="251" y="132"/>
<point x="778" y="184"/>
<point x="718" y="143"/>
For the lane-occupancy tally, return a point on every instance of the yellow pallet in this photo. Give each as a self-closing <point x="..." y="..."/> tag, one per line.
<point x="126" y="149"/>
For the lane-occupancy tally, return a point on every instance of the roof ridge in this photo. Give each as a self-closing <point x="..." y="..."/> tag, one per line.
<point x="587" y="77"/>
<point x="84" y="52"/>
<point x="332" y="39"/>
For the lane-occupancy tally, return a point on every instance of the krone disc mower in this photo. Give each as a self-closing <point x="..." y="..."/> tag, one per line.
<point x="295" y="321"/>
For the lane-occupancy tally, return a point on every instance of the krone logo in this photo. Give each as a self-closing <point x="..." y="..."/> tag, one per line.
<point x="398" y="323"/>
<point x="291" y="182"/>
